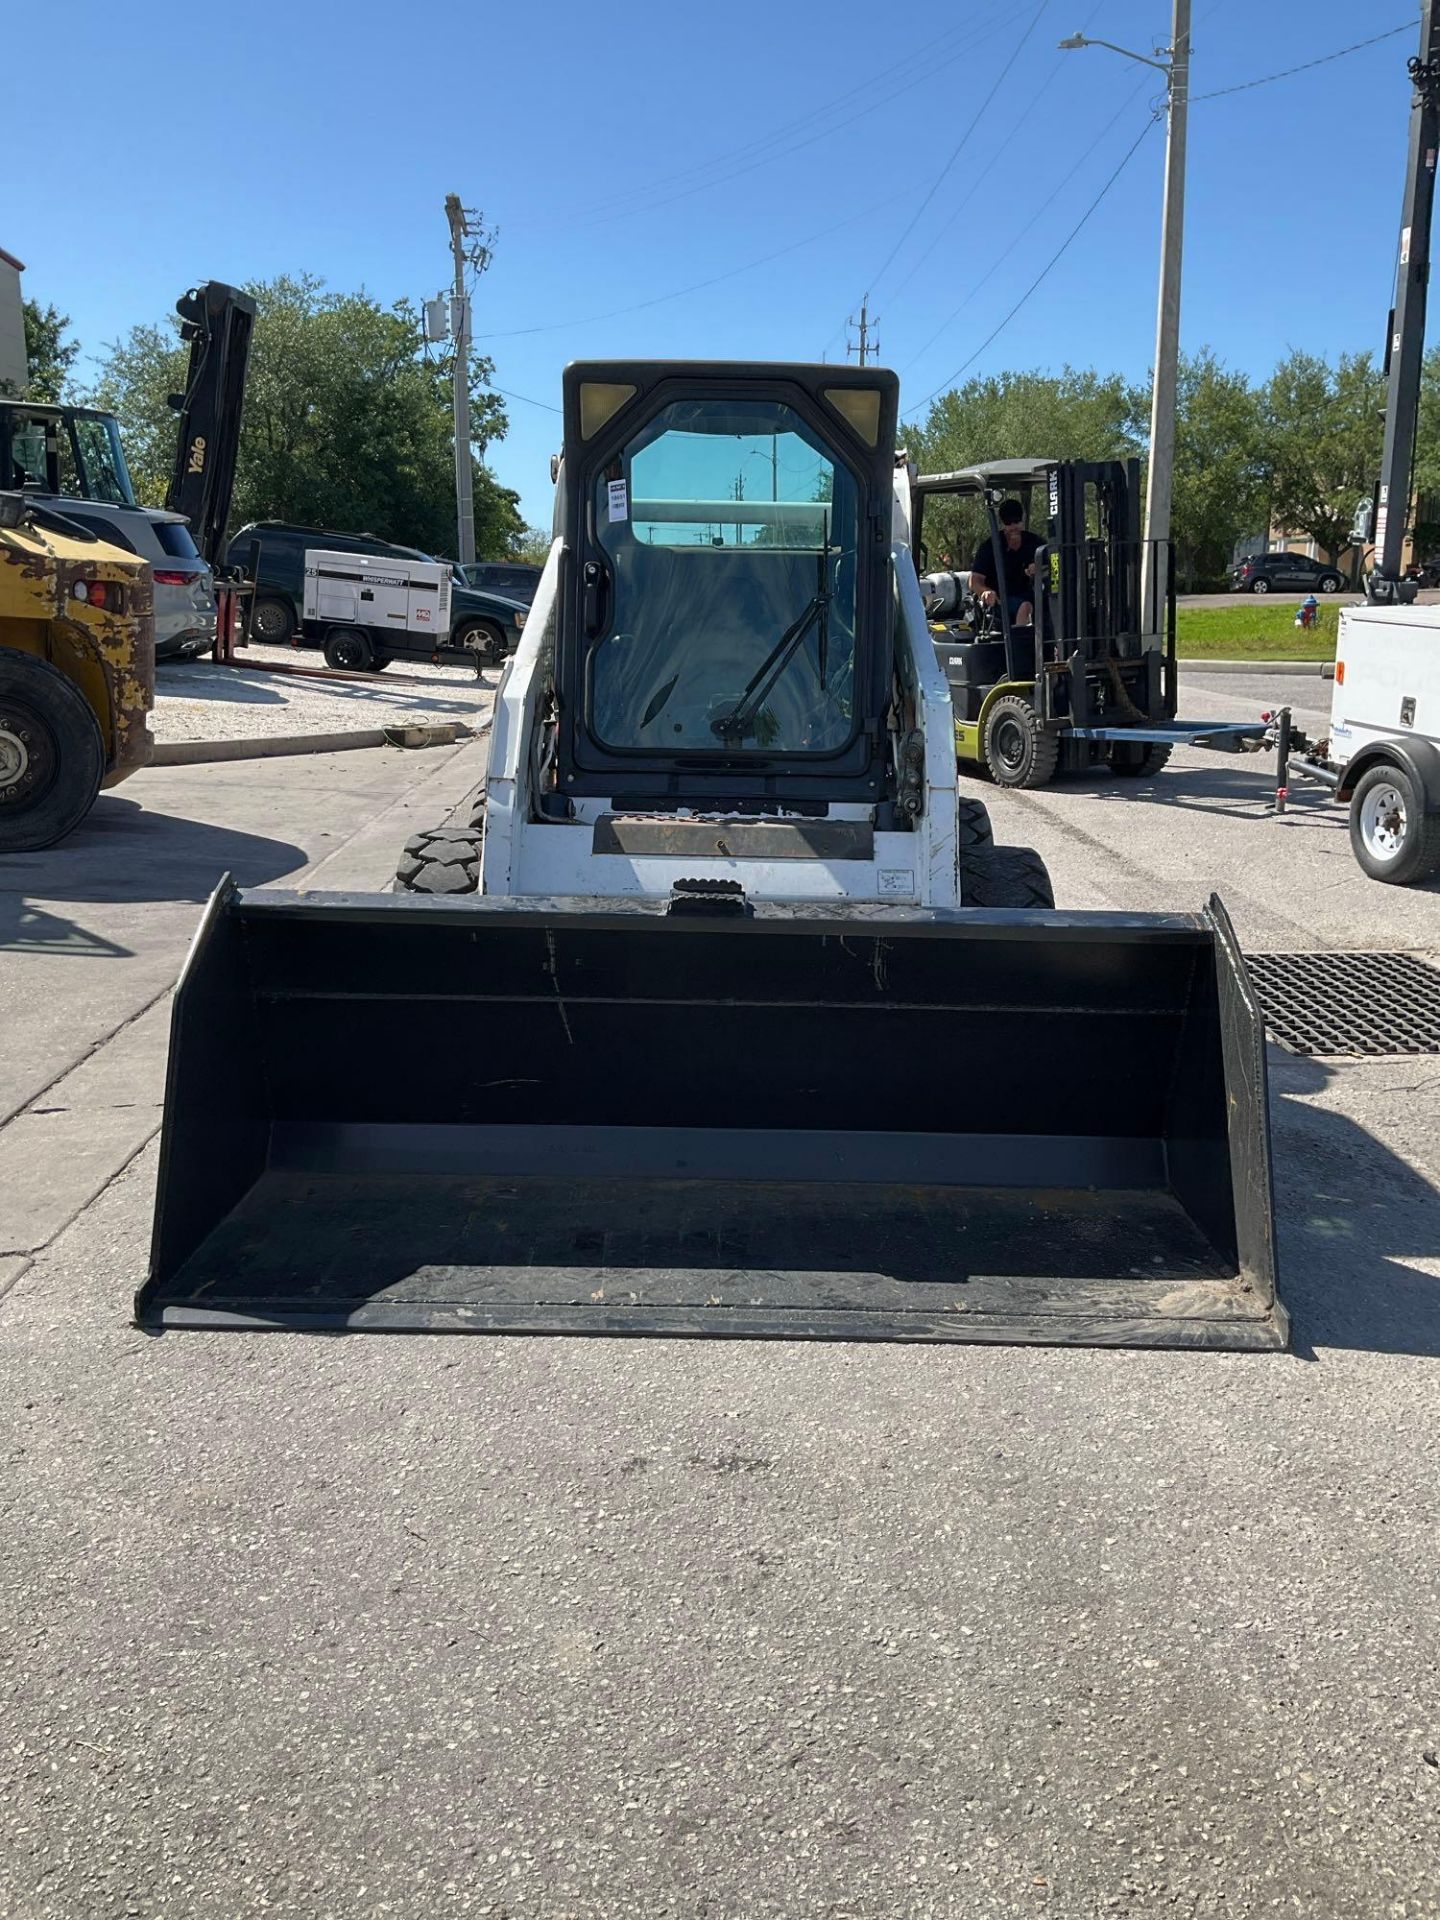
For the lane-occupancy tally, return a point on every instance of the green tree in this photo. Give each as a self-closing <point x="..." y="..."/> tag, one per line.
<point x="1220" y="467"/>
<point x="347" y="420"/>
<point x="532" y="545"/>
<point x="1427" y="459"/>
<point x="1077" y="414"/>
<point x="1323" y="432"/>
<point x="1074" y="415"/>
<point x="48" y="350"/>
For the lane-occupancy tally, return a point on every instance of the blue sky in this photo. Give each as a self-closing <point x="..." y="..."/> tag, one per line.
<point x="632" y="153"/>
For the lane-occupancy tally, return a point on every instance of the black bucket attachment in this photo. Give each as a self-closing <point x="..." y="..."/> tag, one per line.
<point x="400" y="1113"/>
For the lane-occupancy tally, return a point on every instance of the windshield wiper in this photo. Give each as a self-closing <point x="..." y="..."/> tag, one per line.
<point x="734" y="725"/>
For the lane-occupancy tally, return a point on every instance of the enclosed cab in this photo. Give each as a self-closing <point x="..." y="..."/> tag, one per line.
<point x="711" y="687"/>
<point x="70" y="451"/>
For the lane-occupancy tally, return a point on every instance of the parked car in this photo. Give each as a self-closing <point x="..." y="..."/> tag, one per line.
<point x="514" y="578"/>
<point x="489" y="622"/>
<point x="184" y="584"/>
<point x="1284" y="572"/>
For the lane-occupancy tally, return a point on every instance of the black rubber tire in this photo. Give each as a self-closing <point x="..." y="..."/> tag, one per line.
<point x="1260" y="584"/>
<point x="272" y="621"/>
<point x="1419" y="850"/>
<point x="484" y="636"/>
<point x="1331" y="583"/>
<point x="51" y="750"/>
<point x="972" y="823"/>
<point x="349" y="650"/>
<point x="443" y="860"/>
<point x="1004" y="877"/>
<point x="1138" y="762"/>
<point x="1018" y="751"/>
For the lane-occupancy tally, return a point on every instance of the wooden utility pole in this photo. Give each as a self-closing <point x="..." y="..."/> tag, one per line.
<point x="865" y="348"/>
<point x="1161" y="490"/>
<point x="460" y="332"/>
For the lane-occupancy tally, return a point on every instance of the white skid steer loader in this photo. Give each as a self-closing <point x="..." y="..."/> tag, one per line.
<point x="746" y="697"/>
<point x="725" y="1016"/>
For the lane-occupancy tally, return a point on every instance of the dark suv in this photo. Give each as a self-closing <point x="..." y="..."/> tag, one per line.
<point x="1284" y="572"/>
<point x="516" y="579"/>
<point x="490" y="622"/>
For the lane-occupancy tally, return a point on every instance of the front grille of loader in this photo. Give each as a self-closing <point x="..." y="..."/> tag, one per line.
<point x="1349" y="1003"/>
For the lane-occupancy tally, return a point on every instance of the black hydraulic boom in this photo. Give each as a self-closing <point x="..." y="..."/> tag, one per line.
<point x="217" y="321"/>
<point x="1405" y="346"/>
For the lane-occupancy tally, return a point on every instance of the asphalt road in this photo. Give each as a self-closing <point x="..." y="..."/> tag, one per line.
<point x="1428" y="596"/>
<point x="409" y="1627"/>
<point x="1207" y="824"/>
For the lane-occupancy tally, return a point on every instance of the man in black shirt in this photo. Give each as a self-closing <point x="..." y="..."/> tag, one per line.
<point x="1020" y="547"/>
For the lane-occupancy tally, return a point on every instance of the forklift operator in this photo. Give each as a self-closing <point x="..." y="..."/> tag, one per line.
<point x="1021" y="546"/>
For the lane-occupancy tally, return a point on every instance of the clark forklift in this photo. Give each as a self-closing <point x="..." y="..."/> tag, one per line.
<point x="1091" y="681"/>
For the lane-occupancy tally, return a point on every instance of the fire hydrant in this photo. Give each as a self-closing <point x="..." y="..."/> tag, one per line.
<point x="1308" y="614"/>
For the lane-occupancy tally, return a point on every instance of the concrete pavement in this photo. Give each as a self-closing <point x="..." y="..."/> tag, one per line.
<point x="1207" y="824"/>
<point x="92" y="935"/>
<point x="414" y="1627"/>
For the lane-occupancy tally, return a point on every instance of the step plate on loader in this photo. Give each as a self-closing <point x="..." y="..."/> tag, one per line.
<point x="410" y="1115"/>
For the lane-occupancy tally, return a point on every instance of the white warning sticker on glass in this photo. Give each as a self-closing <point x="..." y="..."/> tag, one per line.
<point x="619" y="501"/>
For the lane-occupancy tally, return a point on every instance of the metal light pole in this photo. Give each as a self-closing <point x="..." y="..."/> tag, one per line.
<point x="1159" y="494"/>
<point x="460" y="327"/>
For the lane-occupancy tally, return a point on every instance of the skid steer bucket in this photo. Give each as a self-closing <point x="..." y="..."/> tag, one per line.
<point x="399" y="1113"/>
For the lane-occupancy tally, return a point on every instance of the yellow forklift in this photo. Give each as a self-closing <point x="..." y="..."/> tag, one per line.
<point x="77" y="671"/>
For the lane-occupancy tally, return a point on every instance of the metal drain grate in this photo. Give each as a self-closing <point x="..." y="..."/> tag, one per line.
<point x="1348" y="1002"/>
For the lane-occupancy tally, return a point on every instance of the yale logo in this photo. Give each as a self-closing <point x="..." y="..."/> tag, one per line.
<point x="196" y="462"/>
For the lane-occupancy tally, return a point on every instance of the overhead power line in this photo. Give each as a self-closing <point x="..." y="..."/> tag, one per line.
<point x="872" y="104"/>
<point x="960" y="145"/>
<point x="698" y="286"/>
<point x="1023" y="234"/>
<point x="981" y="180"/>
<point x="1054" y="259"/>
<point x="1218" y="93"/>
<point x="526" y="398"/>
<point x="1244" y="86"/>
<point x="914" y="65"/>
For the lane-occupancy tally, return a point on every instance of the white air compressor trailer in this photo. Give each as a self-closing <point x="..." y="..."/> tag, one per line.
<point x="366" y="610"/>
<point x="1383" y="754"/>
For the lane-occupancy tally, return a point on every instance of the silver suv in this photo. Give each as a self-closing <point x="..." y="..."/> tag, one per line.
<point x="184" y="585"/>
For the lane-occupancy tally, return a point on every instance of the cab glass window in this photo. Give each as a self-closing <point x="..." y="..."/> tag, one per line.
<point x="730" y="534"/>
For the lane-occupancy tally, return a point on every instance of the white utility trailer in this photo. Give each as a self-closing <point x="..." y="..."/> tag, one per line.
<point x="1383" y="755"/>
<point x="368" y="609"/>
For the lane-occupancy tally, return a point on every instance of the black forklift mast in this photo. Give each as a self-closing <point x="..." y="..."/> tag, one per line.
<point x="217" y="321"/>
<point x="1405" y="346"/>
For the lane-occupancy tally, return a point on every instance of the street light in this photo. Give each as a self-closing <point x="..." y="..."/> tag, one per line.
<point x="1175" y="65"/>
<point x="1080" y="40"/>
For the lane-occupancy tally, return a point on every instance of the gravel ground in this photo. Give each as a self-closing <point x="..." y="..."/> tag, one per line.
<point x="196" y="700"/>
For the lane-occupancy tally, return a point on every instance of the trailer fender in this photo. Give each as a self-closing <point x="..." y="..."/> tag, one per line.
<point x="1418" y="758"/>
